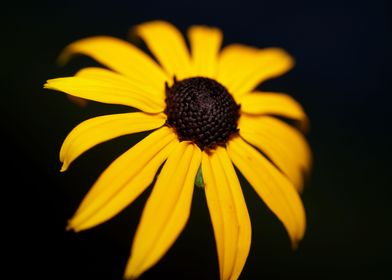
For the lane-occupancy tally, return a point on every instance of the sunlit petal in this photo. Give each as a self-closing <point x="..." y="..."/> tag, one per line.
<point x="102" y="74"/>
<point x="100" y="129"/>
<point x="107" y="92"/>
<point x="124" y="180"/>
<point x="205" y="44"/>
<point x="167" y="209"/>
<point x="274" y="188"/>
<point x="120" y="56"/>
<point x="228" y="212"/>
<point x="242" y="68"/>
<point x="271" y="103"/>
<point x="286" y="140"/>
<point x="168" y="46"/>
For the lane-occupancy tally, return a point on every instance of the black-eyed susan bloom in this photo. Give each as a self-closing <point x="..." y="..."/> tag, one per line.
<point x="204" y="113"/>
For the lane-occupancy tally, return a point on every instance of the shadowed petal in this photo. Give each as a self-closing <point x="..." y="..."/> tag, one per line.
<point x="124" y="180"/>
<point x="167" y="209"/>
<point x="273" y="187"/>
<point x="228" y="212"/>
<point x="100" y="129"/>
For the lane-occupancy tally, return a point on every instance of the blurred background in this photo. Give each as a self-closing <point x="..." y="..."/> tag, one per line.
<point x="342" y="78"/>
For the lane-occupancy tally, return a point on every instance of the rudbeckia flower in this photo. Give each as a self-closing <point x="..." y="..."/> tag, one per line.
<point x="205" y="117"/>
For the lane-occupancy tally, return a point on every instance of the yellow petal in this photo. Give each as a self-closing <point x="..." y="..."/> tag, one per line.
<point x="273" y="151"/>
<point x="241" y="68"/>
<point x="100" y="129"/>
<point x="124" y="180"/>
<point x="274" y="188"/>
<point x="205" y="44"/>
<point x="107" y="92"/>
<point x="168" y="46"/>
<point x="120" y="56"/>
<point x="282" y="144"/>
<point x="105" y="75"/>
<point x="270" y="103"/>
<point x="285" y="139"/>
<point x="167" y="209"/>
<point x="245" y="230"/>
<point x="228" y="212"/>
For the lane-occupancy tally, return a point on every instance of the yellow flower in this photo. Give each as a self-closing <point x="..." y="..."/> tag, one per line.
<point x="205" y="113"/>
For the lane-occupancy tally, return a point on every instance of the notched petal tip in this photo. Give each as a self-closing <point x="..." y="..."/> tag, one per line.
<point x="47" y="85"/>
<point x="71" y="226"/>
<point x="51" y="83"/>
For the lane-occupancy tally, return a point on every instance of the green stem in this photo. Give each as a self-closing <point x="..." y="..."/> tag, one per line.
<point x="199" y="179"/>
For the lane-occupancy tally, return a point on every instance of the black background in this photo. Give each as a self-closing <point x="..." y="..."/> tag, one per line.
<point x="342" y="78"/>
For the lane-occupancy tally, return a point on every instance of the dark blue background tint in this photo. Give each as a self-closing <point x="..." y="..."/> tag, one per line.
<point x="342" y="77"/>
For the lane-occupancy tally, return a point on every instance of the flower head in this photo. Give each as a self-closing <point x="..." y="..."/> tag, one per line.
<point x="204" y="113"/>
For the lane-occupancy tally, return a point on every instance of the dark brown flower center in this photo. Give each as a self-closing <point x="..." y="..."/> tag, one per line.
<point x="201" y="110"/>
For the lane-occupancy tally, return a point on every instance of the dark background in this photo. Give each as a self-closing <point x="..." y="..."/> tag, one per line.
<point x="342" y="78"/>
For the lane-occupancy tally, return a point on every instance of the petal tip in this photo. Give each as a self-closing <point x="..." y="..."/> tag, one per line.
<point x="47" y="85"/>
<point x="69" y="227"/>
<point x="64" y="168"/>
<point x="65" y="164"/>
<point x="65" y="55"/>
<point x="50" y="84"/>
<point x="295" y="243"/>
<point x="75" y="227"/>
<point x="294" y="246"/>
<point x="290" y="60"/>
<point x="129" y="277"/>
<point x="130" y="272"/>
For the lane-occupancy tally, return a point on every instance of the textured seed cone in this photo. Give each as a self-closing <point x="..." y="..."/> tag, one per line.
<point x="201" y="110"/>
